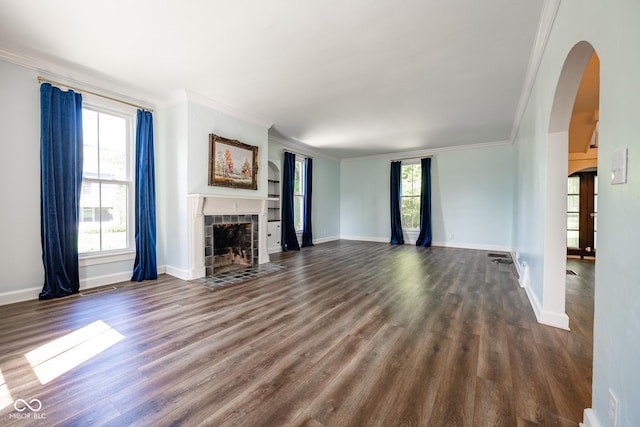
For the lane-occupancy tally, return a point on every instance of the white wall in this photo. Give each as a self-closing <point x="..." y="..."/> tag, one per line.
<point x="612" y="28"/>
<point x="21" y="271"/>
<point x="472" y="203"/>
<point x="171" y="190"/>
<point x="204" y="120"/>
<point x="472" y="198"/>
<point x="325" y="206"/>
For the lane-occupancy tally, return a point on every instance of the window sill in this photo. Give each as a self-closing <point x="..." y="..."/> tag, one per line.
<point x="85" y="260"/>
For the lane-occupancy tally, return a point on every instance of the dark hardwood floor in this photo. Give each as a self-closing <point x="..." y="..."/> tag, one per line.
<point x="350" y="333"/>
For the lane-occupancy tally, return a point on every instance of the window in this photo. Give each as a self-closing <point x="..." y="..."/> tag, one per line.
<point x="573" y="212"/>
<point x="595" y="212"/>
<point x="106" y="182"/>
<point x="298" y="195"/>
<point x="410" y="196"/>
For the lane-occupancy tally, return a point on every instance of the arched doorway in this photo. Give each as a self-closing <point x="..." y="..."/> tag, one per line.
<point x="558" y="142"/>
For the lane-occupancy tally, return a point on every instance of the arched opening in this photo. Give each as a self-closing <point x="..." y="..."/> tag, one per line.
<point x="572" y="146"/>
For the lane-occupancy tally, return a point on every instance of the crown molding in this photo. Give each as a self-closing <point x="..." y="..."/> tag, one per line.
<point x="547" y="17"/>
<point x="301" y="147"/>
<point x="428" y="152"/>
<point x="227" y="109"/>
<point x="72" y="76"/>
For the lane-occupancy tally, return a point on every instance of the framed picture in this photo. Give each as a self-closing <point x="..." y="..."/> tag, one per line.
<point x="232" y="163"/>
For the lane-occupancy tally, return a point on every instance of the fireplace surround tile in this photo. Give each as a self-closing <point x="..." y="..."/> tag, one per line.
<point x="213" y="220"/>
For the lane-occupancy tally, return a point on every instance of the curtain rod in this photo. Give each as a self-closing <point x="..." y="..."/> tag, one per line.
<point x="412" y="158"/>
<point x="298" y="154"/>
<point x="42" y="79"/>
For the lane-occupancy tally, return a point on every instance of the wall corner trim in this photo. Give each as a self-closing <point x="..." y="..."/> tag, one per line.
<point x="590" y="419"/>
<point x="545" y="317"/>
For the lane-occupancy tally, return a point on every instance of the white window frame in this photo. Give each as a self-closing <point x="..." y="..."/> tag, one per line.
<point x="410" y="162"/>
<point x="300" y="159"/>
<point x="102" y="105"/>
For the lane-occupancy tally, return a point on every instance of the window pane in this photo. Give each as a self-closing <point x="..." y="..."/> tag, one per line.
<point x="573" y="203"/>
<point x="410" y="212"/>
<point x="113" y="213"/>
<point x="573" y="221"/>
<point x="89" y="229"/>
<point x="297" y="178"/>
<point x="113" y="147"/>
<point x="90" y="143"/>
<point x="573" y="239"/>
<point x="297" y="212"/>
<point x="411" y="180"/>
<point x="573" y="185"/>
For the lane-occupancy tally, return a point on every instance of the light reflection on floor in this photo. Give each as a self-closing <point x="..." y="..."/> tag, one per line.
<point x="5" y="394"/>
<point x="53" y="359"/>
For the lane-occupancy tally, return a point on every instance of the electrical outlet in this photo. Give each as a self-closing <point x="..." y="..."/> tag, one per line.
<point x="450" y="236"/>
<point x="613" y="409"/>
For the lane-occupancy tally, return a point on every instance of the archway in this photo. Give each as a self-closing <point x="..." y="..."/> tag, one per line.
<point x="555" y="262"/>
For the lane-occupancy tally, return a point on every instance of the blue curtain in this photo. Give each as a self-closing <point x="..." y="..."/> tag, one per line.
<point x="145" y="267"/>
<point x="288" y="238"/>
<point x="60" y="187"/>
<point x="396" y="218"/>
<point x="307" y="237"/>
<point x="424" y="238"/>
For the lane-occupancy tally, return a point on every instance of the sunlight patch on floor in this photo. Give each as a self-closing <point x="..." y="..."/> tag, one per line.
<point x="5" y="394"/>
<point x="53" y="359"/>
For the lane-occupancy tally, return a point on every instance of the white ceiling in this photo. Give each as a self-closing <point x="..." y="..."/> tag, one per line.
<point x="350" y="78"/>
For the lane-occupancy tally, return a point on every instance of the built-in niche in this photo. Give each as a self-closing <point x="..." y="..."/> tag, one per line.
<point x="273" y="209"/>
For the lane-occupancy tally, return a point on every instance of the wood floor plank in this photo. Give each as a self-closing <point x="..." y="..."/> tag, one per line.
<point x="348" y="333"/>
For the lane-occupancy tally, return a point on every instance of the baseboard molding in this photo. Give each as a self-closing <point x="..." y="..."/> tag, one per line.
<point x="31" y="294"/>
<point x="410" y="241"/>
<point x="477" y="246"/>
<point x="549" y="318"/>
<point x="108" y="279"/>
<point x="178" y="272"/>
<point x="365" y="238"/>
<point x="590" y="419"/>
<point x="519" y="267"/>
<point x="325" y="239"/>
<point x="20" y="296"/>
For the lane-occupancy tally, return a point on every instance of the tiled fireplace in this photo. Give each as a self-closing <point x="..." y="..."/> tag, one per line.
<point x="230" y="242"/>
<point x="224" y="210"/>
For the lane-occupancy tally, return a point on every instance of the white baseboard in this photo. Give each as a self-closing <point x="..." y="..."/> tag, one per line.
<point x="365" y="238"/>
<point x="325" y="239"/>
<point x="545" y="317"/>
<point x="178" y="272"/>
<point x="519" y="267"/>
<point x="590" y="419"/>
<point x="19" y="296"/>
<point x="85" y="283"/>
<point x="411" y="241"/>
<point x="108" y="279"/>
<point x="477" y="246"/>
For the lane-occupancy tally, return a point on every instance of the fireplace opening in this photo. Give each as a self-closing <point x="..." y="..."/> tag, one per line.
<point x="231" y="242"/>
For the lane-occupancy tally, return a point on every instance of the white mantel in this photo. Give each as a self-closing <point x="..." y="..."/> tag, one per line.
<point x="200" y="205"/>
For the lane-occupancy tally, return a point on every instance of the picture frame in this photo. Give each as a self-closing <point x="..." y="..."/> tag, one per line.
<point x="232" y="163"/>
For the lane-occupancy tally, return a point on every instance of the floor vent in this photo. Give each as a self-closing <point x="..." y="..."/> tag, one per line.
<point x="97" y="291"/>
<point x="499" y="255"/>
<point x="502" y="261"/>
<point x="571" y="273"/>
